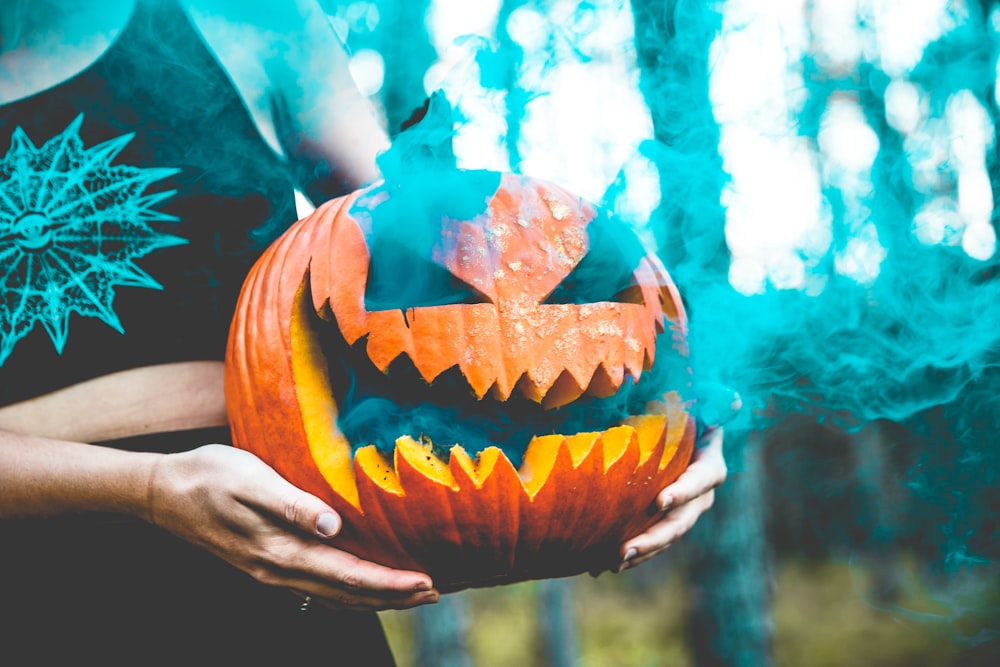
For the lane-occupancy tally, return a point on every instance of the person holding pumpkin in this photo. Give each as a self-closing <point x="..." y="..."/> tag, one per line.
<point x="154" y="147"/>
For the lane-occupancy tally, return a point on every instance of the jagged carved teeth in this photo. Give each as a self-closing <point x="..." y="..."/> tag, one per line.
<point x="566" y="388"/>
<point x="641" y="441"/>
<point x="550" y="387"/>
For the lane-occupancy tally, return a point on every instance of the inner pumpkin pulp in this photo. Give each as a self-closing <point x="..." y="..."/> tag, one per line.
<point x="359" y="420"/>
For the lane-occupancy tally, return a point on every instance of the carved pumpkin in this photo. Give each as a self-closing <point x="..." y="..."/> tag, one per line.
<point x="455" y="383"/>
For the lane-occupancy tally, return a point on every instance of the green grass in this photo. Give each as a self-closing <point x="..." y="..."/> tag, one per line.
<point x="822" y="618"/>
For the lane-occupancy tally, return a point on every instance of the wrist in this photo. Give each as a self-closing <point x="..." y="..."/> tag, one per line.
<point x="147" y="510"/>
<point x="115" y="481"/>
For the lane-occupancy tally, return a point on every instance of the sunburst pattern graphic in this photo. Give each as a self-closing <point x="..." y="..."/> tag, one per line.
<point x="71" y="224"/>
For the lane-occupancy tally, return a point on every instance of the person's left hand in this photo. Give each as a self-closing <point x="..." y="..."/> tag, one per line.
<point x="681" y="503"/>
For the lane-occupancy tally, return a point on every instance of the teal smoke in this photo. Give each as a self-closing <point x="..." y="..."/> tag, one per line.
<point x="917" y="346"/>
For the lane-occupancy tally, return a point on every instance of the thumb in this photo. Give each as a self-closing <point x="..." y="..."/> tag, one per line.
<point x="307" y="512"/>
<point x="276" y="495"/>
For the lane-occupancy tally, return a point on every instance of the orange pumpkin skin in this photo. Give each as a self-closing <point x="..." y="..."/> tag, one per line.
<point x="475" y="519"/>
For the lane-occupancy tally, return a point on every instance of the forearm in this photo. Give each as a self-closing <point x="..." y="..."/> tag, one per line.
<point x="152" y="399"/>
<point x="44" y="477"/>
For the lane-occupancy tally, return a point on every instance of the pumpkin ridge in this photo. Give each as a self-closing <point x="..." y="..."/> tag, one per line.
<point x="579" y="533"/>
<point x="539" y="517"/>
<point x="237" y="366"/>
<point x="493" y="511"/>
<point x="332" y="281"/>
<point x="379" y="510"/>
<point x="428" y="486"/>
<point x="271" y="290"/>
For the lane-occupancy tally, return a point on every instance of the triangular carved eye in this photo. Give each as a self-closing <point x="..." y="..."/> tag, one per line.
<point x="607" y="271"/>
<point x="588" y="284"/>
<point x="399" y="278"/>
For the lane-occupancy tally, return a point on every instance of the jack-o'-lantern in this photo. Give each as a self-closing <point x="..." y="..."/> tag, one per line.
<point x="484" y="374"/>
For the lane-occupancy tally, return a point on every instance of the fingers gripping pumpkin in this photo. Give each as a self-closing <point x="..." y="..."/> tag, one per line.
<point x="488" y="395"/>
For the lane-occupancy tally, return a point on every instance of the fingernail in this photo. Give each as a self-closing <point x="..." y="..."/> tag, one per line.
<point x="667" y="503"/>
<point x="423" y="586"/>
<point x="626" y="562"/>
<point x="429" y="598"/>
<point x="328" y="524"/>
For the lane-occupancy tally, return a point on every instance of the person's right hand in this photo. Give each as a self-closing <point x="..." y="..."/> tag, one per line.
<point x="234" y="505"/>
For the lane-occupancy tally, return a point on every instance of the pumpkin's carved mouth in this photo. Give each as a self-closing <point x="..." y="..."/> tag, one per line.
<point x="377" y="407"/>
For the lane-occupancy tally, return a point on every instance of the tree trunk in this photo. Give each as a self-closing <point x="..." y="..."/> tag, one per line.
<point x="729" y="623"/>
<point x="441" y="633"/>
<point x="730" y="620"/>
<point x="558" y="628"/>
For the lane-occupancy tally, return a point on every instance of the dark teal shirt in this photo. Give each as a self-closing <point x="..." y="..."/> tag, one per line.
<point x="134" y="197"/>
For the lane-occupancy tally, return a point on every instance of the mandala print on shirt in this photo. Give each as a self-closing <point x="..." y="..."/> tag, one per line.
<point x="71" y="224"/>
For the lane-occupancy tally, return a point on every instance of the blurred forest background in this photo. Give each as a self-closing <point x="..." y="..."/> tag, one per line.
<point x="819" y="178"/>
